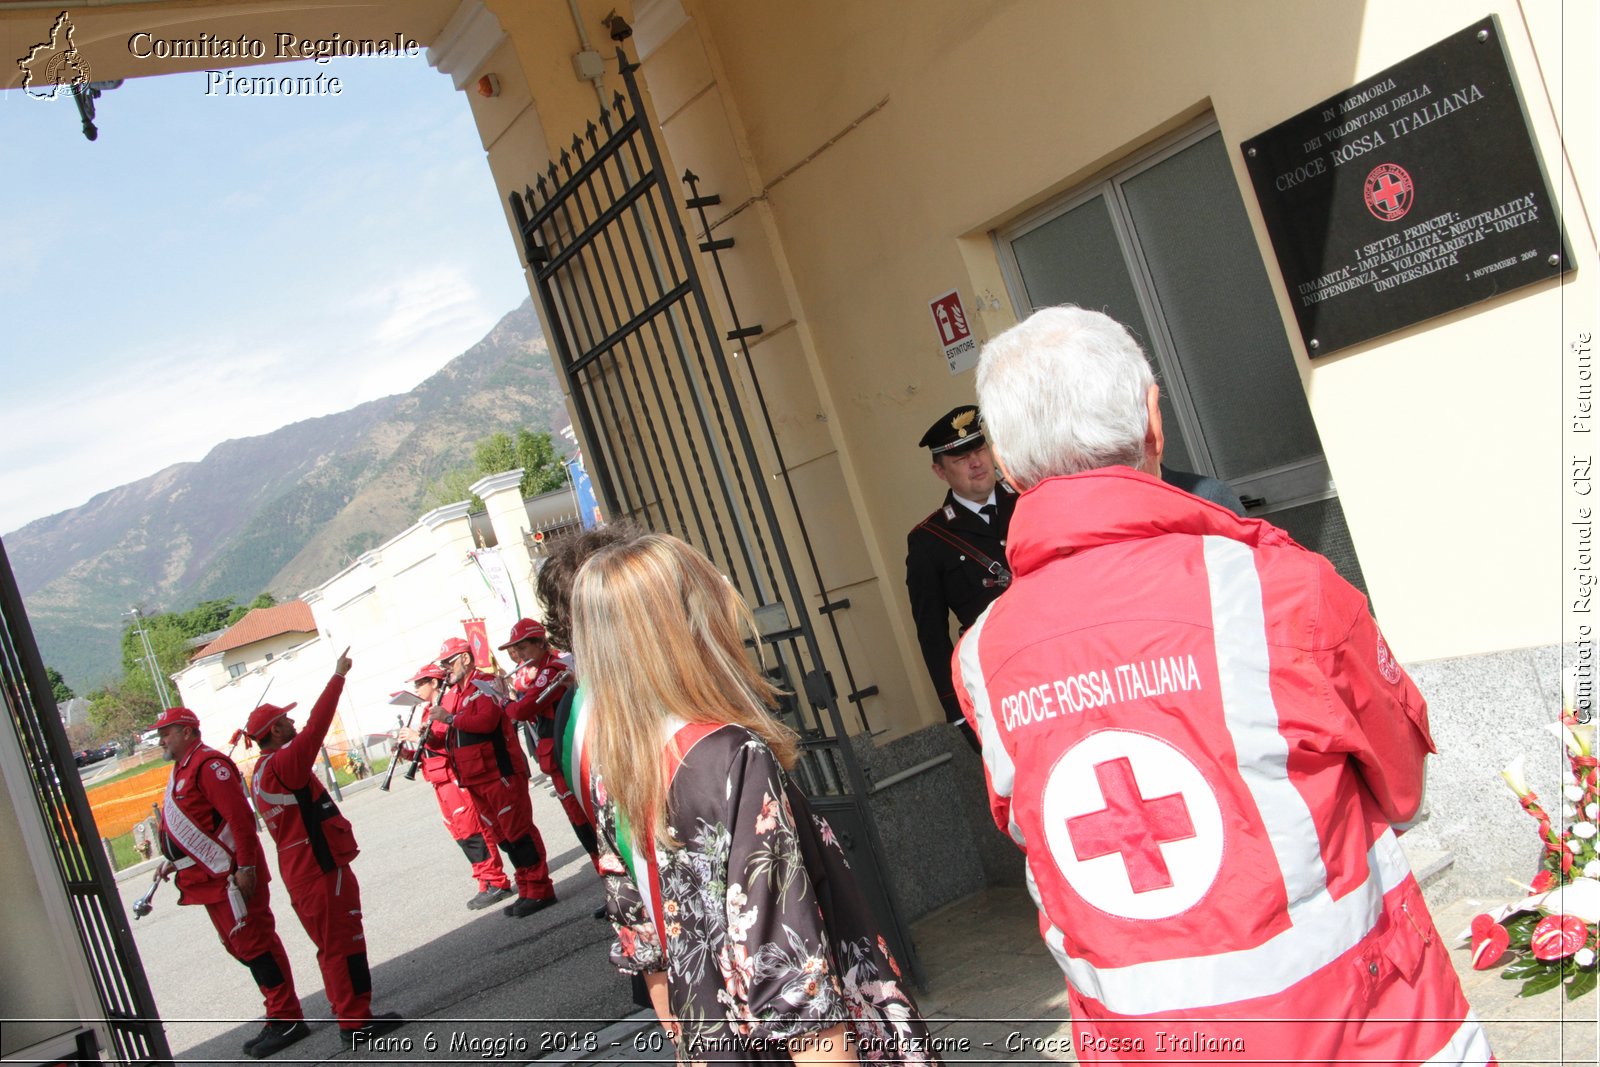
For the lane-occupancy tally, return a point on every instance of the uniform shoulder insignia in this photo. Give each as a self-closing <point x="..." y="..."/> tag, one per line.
<point x="221" y="772"/>
<point x="949" y="513"/>
<point x="1006" y="487"/>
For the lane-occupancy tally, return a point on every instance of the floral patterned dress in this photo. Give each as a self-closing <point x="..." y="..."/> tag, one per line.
<point x="767" y="935"/>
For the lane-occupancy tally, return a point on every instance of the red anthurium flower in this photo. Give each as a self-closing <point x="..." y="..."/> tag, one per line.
<point x="1544" y="880"/>
<point x="1557" y="936"/>
<point x="1489" y="941"/>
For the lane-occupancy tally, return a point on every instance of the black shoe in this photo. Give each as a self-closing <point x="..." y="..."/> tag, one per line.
<point x="489" y="896"/>
<point x="376" y="1027"/>
<point x="600" y="912"/>
<point x="248" y="1045"/>
<point x="275" y="1036"/>
<point x="529" y="905"/>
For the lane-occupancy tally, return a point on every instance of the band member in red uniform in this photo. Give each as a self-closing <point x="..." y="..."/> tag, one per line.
<point x="315" y="847"/>
<point x="208" y="836"/>
<point x="543" y="676"/>
<point x="476" y="838"/>
<point x="491" y="767"/>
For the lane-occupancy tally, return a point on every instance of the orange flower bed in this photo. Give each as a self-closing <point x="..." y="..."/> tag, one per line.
<point x="118" y="805"/>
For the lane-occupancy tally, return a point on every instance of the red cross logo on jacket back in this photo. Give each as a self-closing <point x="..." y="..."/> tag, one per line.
<point x="1131" y="825"/>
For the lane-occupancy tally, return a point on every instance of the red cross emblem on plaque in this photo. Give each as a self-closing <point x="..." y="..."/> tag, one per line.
<point x="1389" y="192"/>
<point x="1132" y="825"/>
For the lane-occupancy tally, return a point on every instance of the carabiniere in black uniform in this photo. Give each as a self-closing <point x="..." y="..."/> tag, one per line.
<point x="955" y="561"/>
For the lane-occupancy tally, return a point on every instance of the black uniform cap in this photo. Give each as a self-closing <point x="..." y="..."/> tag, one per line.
<point x="958" y="430"/>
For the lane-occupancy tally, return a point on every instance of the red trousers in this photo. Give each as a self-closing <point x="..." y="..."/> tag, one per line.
<point x="582" y="828"/>
<point x="330" y="909"/>
<point x="461" y="819"/>
<point x="504" y="807"/>
<point x="255" y="944"/>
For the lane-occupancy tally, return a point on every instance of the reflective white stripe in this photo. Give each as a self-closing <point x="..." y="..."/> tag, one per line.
<point x="1054" y="939"/>
<point x="1324" y="929"/>
<point x="1468" y="1045"/>
<point x="1002" y="772"/>
<point x="1244" y="670"/>
<point x="282" y="800"/>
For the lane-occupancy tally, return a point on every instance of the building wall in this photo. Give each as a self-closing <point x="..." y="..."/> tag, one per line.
<point x="865" y="154"/>
<point x="392" y="608"/>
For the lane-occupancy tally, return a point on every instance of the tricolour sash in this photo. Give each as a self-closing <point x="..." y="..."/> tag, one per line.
<point x="639" y="851"/>
<point x="213" y="852"/>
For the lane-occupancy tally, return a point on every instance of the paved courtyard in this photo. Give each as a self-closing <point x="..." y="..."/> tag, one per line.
<point x="472" y="977"/>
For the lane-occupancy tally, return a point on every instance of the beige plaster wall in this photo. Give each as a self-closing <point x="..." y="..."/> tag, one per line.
<point x="866" y="152"/>
<point x="889" y="139"/>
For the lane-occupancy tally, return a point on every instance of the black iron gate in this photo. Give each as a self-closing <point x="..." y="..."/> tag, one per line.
<point x="107" y="944"/>
<point x="667" y="440"/>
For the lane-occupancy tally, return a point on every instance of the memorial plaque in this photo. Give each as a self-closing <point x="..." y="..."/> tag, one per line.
<point x="1414" y="193"/>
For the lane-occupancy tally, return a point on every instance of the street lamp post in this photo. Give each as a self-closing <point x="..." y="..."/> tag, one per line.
<point x="156" y="678"/>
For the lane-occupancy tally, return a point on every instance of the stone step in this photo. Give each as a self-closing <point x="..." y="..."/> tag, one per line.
<point x="1428" y="865"/>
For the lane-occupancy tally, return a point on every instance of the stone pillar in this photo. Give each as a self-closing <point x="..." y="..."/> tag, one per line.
<point x="452" y="534"/>
<point x="502" y="498"/>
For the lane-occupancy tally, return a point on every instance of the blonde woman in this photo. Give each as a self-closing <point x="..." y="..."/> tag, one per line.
<point x="728" y="894"/>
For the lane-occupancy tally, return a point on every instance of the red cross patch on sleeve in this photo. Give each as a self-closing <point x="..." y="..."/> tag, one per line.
<point x="1387" y="666"/>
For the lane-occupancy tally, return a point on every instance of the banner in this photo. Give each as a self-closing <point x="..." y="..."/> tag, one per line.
<point x="478" y="638"/>
<point x="583" y="490"/>
<point x="497" y="578"/>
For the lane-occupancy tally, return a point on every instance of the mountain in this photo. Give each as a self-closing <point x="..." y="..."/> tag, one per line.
<point x="280" y="512"/>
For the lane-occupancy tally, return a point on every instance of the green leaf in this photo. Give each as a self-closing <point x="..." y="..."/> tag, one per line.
<point x="1521" y="967"/>
<point x="1521" y="928"/>
<point x="1540" y="983"/>
<point x="1581" y="983"/>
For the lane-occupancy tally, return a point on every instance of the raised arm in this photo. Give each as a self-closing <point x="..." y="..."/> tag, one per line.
<point x="296" y="760"/>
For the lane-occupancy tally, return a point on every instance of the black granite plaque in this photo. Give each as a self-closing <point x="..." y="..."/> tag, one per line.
<point x="1414" y="193"/>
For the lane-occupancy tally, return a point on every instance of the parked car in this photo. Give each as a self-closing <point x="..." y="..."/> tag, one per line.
<point x="86" y="756"/>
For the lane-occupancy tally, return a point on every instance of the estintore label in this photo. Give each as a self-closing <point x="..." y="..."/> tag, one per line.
<point x="955" y="335"/>
<point x="1132" y="825"/>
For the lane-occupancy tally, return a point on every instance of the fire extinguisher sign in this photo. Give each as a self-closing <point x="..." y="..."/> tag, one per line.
<point x="955" y="334"/>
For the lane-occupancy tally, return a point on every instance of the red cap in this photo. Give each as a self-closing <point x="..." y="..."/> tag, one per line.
<point x="452" y="647"/>
<point x="524" y="630"/>
<point x="177" y="717"/>
<point x="430" y="670"/>
<point x="263" y="717"/>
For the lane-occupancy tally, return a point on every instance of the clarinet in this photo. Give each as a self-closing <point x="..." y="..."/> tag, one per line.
<point x="422" y="734"/>
<point x="395" y="762"/>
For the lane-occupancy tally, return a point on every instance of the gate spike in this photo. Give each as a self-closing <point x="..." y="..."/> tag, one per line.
<point x="566" y="162"/>
<point x="593" y="134"/>
<point x="538" y="183"/>
<point x="577" y="147"/>
<point x="617" y="100"/>
<point x="555" y="176"/>
<point x="691" y="178"/>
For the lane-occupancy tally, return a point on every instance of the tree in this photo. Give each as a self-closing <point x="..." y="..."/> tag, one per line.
<point x="542" y="468"/>
<point x="122" y="712"/>
<point x="58" y="685"/>
<point x="171" y="635"/>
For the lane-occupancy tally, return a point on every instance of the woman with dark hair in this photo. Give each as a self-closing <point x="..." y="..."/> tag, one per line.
<point x="728" y="894"/>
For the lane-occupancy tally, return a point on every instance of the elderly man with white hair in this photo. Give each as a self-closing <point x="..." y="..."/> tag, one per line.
<point x="1195" y="731"/>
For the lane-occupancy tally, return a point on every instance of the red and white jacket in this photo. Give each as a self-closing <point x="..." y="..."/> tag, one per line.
<point x="531" y="681"/>
<point x="207" y="828"/>
<point x="483" y="740"/>
<point x="1195" y="731"/>
<point x="313" y="837"/>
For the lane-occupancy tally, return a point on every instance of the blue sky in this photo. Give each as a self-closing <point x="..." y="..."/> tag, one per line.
<point x="219" y="266"/>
